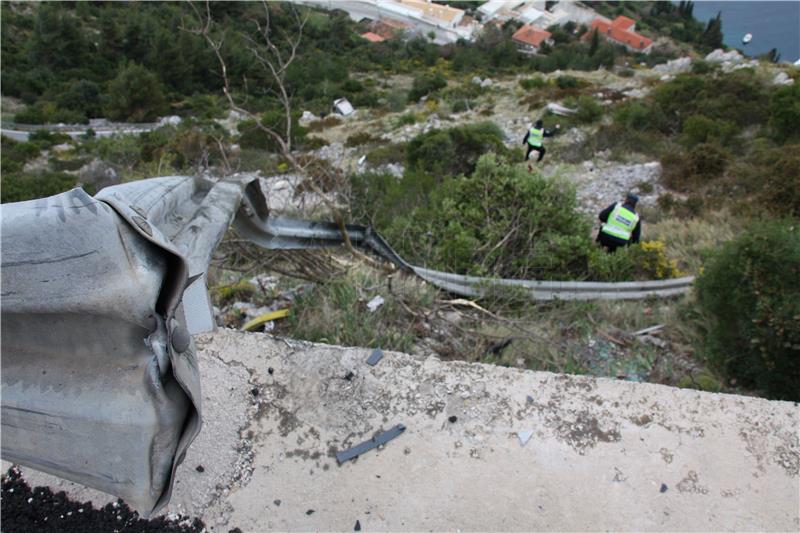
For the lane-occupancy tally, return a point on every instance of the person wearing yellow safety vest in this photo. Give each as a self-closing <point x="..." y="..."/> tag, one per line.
<point x="621" y="225"/>
<point x="534" y="140"/>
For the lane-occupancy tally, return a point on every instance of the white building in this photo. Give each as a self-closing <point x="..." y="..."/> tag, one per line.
<point x="446" y="23"/>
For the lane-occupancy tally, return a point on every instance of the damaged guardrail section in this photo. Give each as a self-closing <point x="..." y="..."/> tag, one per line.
<point x="100" y="382"/>
<point x="100" y="297"/>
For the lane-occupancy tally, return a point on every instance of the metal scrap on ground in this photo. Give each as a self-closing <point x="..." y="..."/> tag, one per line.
<point x="377" y="355"/>
<point x="382" y="438"/>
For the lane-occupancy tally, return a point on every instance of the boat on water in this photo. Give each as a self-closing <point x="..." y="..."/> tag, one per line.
<point x="747" y="38"/>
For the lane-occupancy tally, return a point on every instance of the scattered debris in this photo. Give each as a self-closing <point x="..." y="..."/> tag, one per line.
<point x="663" y="487"/>
<point x="266" y="317"/>
<point x="200" y="468"/>
<point x="375" y="303"/>
<point x="254" y="391"/>
<point x="558" y="109"/>
<point x="277" y="503"/>
<point x="349" y="376"/>
<point x="374" y="442"/>
<point x="270" y="371"/>
<point x="529" y="398"/>
<point x="357" y="526"/>
<point x="653" y="341"/>
<point x="377" y="355"/>
<point x="524" y="436"/>
<point x="453" y="419"/>
<point x="310" y="512"/>
<point x="651" y="329"/>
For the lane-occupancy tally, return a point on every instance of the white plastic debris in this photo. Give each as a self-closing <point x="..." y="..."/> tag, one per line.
<point x="558" y="109"/>
<point x="375" y="303"/>
<point x="361" y="160"/>
<point x="524" y="436"/>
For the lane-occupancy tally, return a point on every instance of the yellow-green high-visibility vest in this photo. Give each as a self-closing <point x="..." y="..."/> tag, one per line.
<point x="621" y="223"/>
<point x="535" y="137"/>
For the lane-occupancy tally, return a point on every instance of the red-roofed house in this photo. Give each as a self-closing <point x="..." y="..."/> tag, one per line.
<point x="372" y="37"/>
<point x="621" y="31"/>
<point x="530" y="38"/>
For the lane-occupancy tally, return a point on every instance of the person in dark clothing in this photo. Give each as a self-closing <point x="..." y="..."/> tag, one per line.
<point x="534" y="140"/>
<point x="621" y="224"/>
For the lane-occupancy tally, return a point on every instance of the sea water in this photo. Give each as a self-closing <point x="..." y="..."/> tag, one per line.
<point x="773" y="25"/>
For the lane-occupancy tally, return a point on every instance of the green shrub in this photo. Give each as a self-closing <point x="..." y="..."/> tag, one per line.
<point x="135" y="95"/>
<point x="589" y="109"/>
<point x="784" y="112"/>
<point x="500" y="221"/>
<point x="684" y="170"/>
<point x="425" y="85"/>
<point x="708" y="160"/>
<point x="406" y="119"/>
<point x="46" y="139"/>
<point x="567" y="82"/>
<point x="360" y="138"/>
<point x="388" y="153"/>
<point x="252" y="136"/>
<point x="750" y="291"/>
<point x="454" y="151"/>
<point x="636" y="115"/>
<point x="83" y="97"/>
<point x="535" y="82"/>
<point x="780" y="191"/>
<point x="699" y="129"/>
<point x="459" y="106"/>
<point x="18" y="187"/>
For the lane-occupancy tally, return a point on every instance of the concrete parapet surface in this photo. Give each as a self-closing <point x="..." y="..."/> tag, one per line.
<point x="603" y="455"/>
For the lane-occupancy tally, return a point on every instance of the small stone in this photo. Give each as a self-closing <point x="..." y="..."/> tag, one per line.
<point x="270" y="371"/>
<point x="200" y="468"/>
<point x="310" y="512"/>
<point x="663" y="488"/>
<point x="254" y="391"/>
<point x="453" y="419"/>
<point x="349" y="376"/>
<point x="277" y="503"/>
<point x="358" y="526"/>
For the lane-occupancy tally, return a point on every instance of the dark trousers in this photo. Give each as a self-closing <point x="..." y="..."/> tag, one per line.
<point x="610" y="243"/>
<point x="539" y="149"/>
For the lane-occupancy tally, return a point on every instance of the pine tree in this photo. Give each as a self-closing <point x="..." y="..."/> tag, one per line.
<point x="595" y="42"/>
<point x="712" y="37"/>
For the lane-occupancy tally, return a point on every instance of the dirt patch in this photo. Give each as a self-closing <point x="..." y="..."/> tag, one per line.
<point x="585" y="432"/>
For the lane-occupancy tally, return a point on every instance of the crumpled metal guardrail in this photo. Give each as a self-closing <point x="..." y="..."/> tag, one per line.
<point x="100" y="297"/>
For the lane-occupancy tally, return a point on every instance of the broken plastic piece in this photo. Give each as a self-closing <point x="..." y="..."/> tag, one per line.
<point x="374" y="442"/>
<point x="375" y="303"/>
<point x="377" y="355"/>
<point x="266" y="317"/>
<point x="524" y="436"/>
